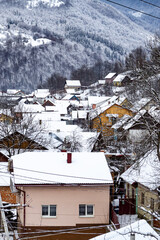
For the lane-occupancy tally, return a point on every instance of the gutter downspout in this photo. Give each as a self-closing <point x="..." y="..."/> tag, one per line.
<point x="136" y="199"/>
<point x="24" y="202"/>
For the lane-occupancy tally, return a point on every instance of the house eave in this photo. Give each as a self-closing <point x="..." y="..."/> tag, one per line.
<point x="64" y="184"/>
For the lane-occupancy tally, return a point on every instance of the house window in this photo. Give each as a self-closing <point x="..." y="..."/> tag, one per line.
<point x="85" y="210"/>
<point x="152" y="204"/>
<point x="142" y="198"/>
<point x="114" y="120"/>
<point x="49" y="210"/>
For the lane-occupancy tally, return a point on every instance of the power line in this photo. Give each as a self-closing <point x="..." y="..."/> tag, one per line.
<point x="119" y="4"/>
<point x="56" y="182"/>
<point x="60" y="175"/>
<point x="150" y="3"/>
<point x="55" y="174"/>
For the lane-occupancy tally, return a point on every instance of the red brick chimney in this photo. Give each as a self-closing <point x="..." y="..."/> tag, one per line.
<point x="63" y="150"/>
<point x="93" y="106"/>
<point x="69" y="157"/>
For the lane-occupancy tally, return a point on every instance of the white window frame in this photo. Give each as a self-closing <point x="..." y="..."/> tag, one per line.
<point x="87" y="215"/>
<point x="49" y="216"/>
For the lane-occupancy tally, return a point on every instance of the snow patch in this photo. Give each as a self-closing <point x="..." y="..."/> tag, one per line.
<point x="49" y="3"/>
<point x="137" y="14"/>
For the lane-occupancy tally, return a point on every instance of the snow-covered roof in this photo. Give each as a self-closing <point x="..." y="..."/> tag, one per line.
<point x="28" y="108"/>
<point x="41" y="93"/>
<point x="4" y="174"/>
<point x="73" y="83"/>
<point x="121" y="121"/>
<point x="68" y="96"/>
<point x="6" y="112"/>
<point x="133" y="120"/>
<point x="145" y="171"/>
<point x="141" y="229"/>
<point x="119" y="78"/>
<point x="52" y="168"/>
<point x="60" y="126"/>
<point x="13" y="91"/>
<point x="106" y="105"/>
<point x="95" y="99"/>
<point x="47" y="116"/>
<point x="155" y="113"/>
<point x="102" y="82"/>
<point x="110" y="75"/>
<point x="50" y="108"/>
<point x="70" y="91"/>
<point x="140" y="104"/>
<point x="61" y="106"/>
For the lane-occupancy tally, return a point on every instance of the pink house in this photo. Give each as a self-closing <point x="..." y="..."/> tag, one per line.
<point x="62" y="189"/>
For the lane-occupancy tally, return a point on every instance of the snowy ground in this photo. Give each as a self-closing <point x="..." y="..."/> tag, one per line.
<point x="2" y="236"/>
<point x="126" y="219"/>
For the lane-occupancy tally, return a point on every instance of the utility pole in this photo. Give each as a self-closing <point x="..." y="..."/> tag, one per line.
<point x="4" y="220"/>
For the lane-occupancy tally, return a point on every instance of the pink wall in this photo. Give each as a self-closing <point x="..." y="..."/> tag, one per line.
<point x="67" y="200"/>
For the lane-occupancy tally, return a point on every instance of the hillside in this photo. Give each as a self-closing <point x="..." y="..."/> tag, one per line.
<point x="39" y="38"/>
<point x="151" y="7"/>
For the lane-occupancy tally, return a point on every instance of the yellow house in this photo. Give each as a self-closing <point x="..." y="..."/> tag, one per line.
<point x="5" y="118"/>
<point x="143" y="185"/>
<point x="104" y="117"/>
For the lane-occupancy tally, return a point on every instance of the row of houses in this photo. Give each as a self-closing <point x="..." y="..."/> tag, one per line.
<point x="70" y="179"/>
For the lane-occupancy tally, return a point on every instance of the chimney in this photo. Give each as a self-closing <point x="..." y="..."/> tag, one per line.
<point x="63" y="150"/>
<point x="132" y="236"/>
<point x="69" y="157"/>
<point x="93" y="106"/>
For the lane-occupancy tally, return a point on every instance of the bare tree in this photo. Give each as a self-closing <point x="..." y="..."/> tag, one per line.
<point x="73" y="142"/>
<point x="21" y="133"/>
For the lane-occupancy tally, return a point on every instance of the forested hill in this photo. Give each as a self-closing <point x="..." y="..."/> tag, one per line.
<point x="40" y="38"/>
<point x="150" y="20"/>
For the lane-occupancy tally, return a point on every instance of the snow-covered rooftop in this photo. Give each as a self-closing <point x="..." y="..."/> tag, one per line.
<point x="52" y="168"/>
<point x="140" y="104"/>
<point x="110" y="75"/>
<point x="102" y="82"/>
<point x="47" y="116"/>
<point x="106" y="105"/>
<point x="135" y="119"/>
<point x="61" y="106"/>
<point x="28" y="108"/>
<point x="95" y="99"/>
<point x="142" y="230"/>
<point x="145" y="171"/>
<point x="12" y="91"/>
<point x="73" y="83"/>
<point x="119" y="78"/>
<point x="41" y="93"/>
<point x="121" y="121"/>
<point x="4" y="174"/>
